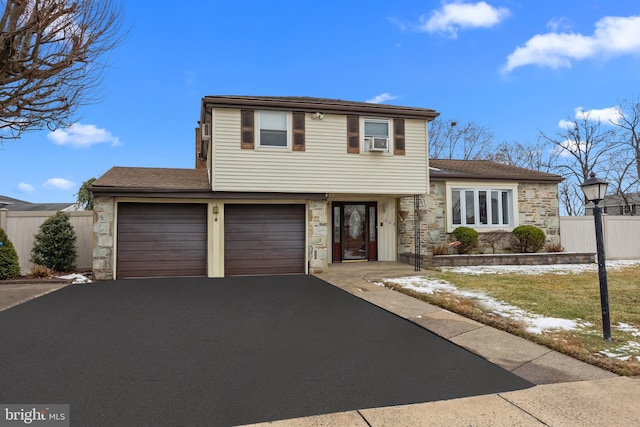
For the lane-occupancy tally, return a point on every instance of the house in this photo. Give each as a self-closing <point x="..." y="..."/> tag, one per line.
<point x="617" y="204"/>
<point x="483" y="195"/>
<point x="281" y="185"/>
<point x="12" y="204"/>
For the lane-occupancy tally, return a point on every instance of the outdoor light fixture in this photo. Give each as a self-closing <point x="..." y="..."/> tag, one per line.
<point x="216" y="209"/>
<point x="594" y="190"/>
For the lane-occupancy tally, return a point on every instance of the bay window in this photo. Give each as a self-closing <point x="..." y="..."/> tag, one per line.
<point x="482" y="207"/>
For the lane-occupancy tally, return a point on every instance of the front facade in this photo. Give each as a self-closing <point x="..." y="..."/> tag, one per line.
<point x="282" y="185"/>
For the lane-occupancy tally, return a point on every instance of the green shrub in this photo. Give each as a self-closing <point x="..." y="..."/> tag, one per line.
<point x="531" y="238"/>
<point x="55" y="244"/>
<point x="9" y="265"/>
<point x="468" y="238"/>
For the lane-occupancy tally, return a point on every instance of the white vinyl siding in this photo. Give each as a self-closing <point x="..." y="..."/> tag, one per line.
<point x="324" y="166"/>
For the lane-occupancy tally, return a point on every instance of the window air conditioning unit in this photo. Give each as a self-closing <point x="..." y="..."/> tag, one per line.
<point x="378" y="144"/>
<point x="205" y="129"/>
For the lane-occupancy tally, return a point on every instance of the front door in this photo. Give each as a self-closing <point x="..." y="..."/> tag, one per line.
<point x="354" y="231"/>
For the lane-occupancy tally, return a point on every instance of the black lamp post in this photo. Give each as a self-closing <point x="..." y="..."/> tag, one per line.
<point x="594" y="190"/>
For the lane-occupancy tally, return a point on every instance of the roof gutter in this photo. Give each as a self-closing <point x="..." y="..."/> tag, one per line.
<point x="325" y="106"/>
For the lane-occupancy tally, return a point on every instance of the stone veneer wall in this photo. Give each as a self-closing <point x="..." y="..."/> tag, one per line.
<point x="538" y="205"/>
<point x="317" y="232"/>
<point x="103" y="220"/>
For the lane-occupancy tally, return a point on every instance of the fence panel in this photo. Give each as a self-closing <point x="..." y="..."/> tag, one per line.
<point x="577" y="234"/>
<point x="21" y="227"/>
<point x="621" y="235"/>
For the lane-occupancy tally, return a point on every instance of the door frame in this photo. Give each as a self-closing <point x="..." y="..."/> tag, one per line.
<point x="338" y="230"/>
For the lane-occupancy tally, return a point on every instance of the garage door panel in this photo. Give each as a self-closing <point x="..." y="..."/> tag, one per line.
<point x="264" y="239"/>
<point x="161" y="240"/>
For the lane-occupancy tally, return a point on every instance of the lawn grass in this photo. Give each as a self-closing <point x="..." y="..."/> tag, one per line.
<point x="567" y="296"/>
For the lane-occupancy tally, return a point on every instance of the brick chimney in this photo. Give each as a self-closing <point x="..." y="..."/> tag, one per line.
<point x="201" y="163"/>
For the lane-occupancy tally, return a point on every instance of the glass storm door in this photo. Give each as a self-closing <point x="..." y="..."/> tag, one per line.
<point x="354" y="232"/>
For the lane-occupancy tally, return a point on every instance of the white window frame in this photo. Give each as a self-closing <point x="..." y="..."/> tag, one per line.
<point x="511" y="188"/>
<point x="287" y="116"/>
<point x="365" y="143"/>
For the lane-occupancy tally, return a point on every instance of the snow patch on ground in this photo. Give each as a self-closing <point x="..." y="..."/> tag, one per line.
<point x="540" y="269"/>
<point x="78" y="279"/>
<point x="535" y="323"/>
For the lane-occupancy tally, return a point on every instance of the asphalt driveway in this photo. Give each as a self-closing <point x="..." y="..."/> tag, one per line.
<point x="225" y="352"/>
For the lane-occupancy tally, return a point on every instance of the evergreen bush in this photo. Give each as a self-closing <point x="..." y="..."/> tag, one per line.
<point x="55" y="244"/>
<point x="531" y="238"/>
<point x="468" y="238"/>
<point x="9" y="265"/>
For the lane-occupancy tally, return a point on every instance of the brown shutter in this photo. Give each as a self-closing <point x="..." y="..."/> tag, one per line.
<point x="248" y="133"/>
<point x="298" y="132"/>
<point x="398" y="137"/>
<point x="353" y="134"/>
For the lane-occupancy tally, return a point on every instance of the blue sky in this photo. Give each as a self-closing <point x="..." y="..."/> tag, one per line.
<point x="517" y="67"/>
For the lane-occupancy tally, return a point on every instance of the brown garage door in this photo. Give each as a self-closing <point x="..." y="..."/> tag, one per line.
<point x="264" y="239"/>
<point x="161" y="240"/>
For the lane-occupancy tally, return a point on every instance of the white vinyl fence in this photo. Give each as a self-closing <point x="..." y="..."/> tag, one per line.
<point x="21" y="227"/>
<point x="621" y="235"/>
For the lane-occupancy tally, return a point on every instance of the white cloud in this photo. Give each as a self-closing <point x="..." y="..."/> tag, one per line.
<point x="613" y="36"/>
<point x="79" y="135"/>
<point x="603" y="115"/>
<point x="58" y="184"/>
<point x="379" y="99"/>
<point x="453" y="17"/>
<point x="25" y="188"/>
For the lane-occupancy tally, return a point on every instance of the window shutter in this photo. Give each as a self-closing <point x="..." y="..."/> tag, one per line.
<point x="353" y="134"/>
<point x="298" y="132"/>
<point x="247" y="129"/>
<point x="398" y="137"/>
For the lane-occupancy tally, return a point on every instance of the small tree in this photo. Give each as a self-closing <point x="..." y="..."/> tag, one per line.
<point x="84" y="198"/>
<point x="9" y="265"/>
<point x="55" y="244"/>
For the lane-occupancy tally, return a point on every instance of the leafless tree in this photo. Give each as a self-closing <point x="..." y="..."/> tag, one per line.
<point x="582" y="147"/>
<point x="540" y="157"/>
<point x="52" y="54"/>
<point x="628" y="121"/>
<point x="450" y="139"/>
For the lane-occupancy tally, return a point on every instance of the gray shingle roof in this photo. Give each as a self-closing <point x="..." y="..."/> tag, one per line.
<point x="440" y="170"/>
<point x="153" y="179"/>
<point x="12" y="204"/>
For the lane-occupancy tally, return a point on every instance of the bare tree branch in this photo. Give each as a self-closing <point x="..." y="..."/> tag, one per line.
<point x="582" y="147"/>
<point x="450" y="139"/>
<point x="540" y="157"/>
<point x="50" y="59"/>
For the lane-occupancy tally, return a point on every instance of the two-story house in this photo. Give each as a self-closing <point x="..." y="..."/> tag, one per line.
<point x="281" y="185"/>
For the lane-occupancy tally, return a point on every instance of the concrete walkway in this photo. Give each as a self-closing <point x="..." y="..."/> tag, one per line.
<point x="569" y="392"/>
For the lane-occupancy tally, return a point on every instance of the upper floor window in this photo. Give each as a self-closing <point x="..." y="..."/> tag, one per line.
<point x="482" y="207"/>
<point x="376" y="134"/>
<point x="273" y="127"/>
